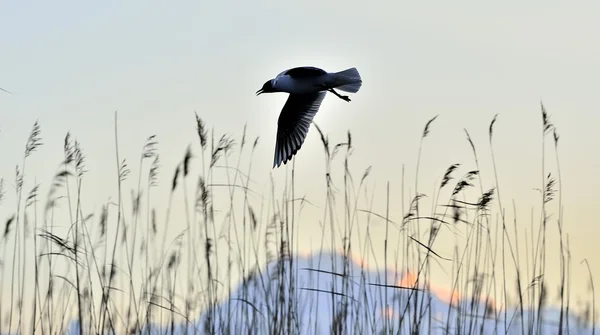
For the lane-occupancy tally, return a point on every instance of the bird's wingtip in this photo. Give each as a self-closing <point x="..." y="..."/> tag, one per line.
<point x="279" y="163"/>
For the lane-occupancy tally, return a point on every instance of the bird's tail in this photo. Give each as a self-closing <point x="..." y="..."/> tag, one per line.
<point x="348" y="80"/>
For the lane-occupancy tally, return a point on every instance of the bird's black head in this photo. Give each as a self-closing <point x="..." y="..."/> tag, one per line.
<point x="267" y="88"/>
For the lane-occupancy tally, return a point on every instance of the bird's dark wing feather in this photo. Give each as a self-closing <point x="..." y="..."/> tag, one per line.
<point x="294" y="121"/>
<point x="305" y="72"/>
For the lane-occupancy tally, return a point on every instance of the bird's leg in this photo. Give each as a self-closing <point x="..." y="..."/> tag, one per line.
<point x="343" y="97"/>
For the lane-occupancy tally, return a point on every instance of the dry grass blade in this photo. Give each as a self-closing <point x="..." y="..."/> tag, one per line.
<point x="172" y="310"/>
<point x="67" y="280"/>
<point x="249" y="304"/>
<point x="325" y="271"/>
<point x="375" y="214"/>
<point x="59" y="241"/>
<point x="429" y="249"/>
<point x="416" y="289"/>
<point x="328" y="292"/>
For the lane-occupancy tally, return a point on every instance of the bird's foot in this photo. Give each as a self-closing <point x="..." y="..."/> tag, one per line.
<point x="343" y="97"/>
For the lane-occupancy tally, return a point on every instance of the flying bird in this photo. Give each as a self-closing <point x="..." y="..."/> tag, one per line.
<point x="307" y="87"/>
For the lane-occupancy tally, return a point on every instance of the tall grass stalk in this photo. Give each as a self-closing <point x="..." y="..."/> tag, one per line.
<point x="229" y="259"/>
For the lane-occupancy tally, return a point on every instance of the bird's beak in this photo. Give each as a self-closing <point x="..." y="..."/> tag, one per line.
<point x="259" y="92"/>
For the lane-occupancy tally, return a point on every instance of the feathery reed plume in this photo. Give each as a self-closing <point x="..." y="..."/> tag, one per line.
<point x="202" y="131"/>
<point x="546" y="120"/>
<point x="349" y="140"/>
<point x="471" y="143"/>
<point x="550" y="190"/>
<point x="253" y="219"/>
<point x="153" y="173"/>
<point x="123" y="171"/>
<point x="154" y="221"/>
<point x="456" y="212"/>
<point x="31" y="197"/>
<point x="34" y="140"/>
<point x="202" y="196"/>
<point x="225" y="145"/>
<point x="175" y="176"/>
<point x="365" y="174"/>
<point x="464" y="182"/>
<point x="7" y="226"/>
<point x="150" y="149"/>
<point x="2" y="192"/>
<point x="413" y="208"/>
<point x="103" y="220"/>
<point x="80" y="161"/>
<point x="491" y="129"/>
<point x="427" y="125"/>
<point x="68" y="149"/>
<point x="485" y="200"/>
<point x="186" y="161"/>
<point x="448" y="175"/>
<point x="18" y="179"/>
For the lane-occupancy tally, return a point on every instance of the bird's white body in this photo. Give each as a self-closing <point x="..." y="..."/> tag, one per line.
<point x="307" y="87"/>
<point x="316" y="81"/>
<point x="285" y="83"/>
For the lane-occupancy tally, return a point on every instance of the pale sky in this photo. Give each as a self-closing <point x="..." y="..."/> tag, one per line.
<point x="72" y="65"/>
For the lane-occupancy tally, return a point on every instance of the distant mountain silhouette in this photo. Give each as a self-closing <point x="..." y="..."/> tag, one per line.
<point x="259" y="301"/>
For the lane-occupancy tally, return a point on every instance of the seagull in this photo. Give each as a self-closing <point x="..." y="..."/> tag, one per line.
<point x="307" y="87"/>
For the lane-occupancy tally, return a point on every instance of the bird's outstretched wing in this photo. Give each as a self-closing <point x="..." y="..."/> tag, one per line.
<point x="304" y="72"/>
<point x="294" y="121"/>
